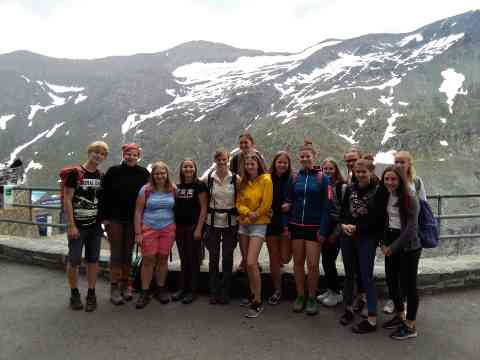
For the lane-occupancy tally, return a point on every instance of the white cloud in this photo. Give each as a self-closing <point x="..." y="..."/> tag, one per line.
<point x="90" y="28"/>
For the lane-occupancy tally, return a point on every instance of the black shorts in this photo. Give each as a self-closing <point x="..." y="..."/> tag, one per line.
<point x="91" y="238"/>
<point x="309" y="233"/>
<point x="275" y="229"/>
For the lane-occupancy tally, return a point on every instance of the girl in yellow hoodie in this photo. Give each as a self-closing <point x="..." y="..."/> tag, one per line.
<point x="254" y="211"/>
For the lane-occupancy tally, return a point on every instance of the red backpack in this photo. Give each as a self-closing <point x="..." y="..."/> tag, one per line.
<point x="65" y="172"/>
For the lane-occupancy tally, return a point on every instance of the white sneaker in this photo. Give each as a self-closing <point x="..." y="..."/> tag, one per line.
<point x="333" y="299"/>
<point x="389" y="307"/>
<point x="323" y="296"/>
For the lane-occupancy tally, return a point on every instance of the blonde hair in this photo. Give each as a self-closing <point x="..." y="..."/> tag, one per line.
<point x="168" y="182"/>
<point x="411" y="173"/>
<point x="97" y="145"/>
<point x="220" y="152"/>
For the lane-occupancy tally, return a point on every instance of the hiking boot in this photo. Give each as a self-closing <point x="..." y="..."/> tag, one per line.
<point x="333" y="299"/>
<point x="127" y="291"/>
<point x="91" y="303"/>
<point x="359" y="304"/>
<point x="143" y="299"/>
<point x="347" y="318"/>
<point x="178" y="295"/>
<point x="404" y="332"/>
<point x="299" y="304"/>
<point x="116" y="297"/>
<point x="275" y="298"/>
<point x="162" y="295"/>
<point x="312" y="307"/>
<point x="189" y="298"/>
<point x="364" y="327"/>
<point x="393" y="323"/>
<point x="76" y="301"/>
<point x="255" y="309"/>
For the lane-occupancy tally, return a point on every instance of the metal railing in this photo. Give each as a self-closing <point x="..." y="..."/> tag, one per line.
<point x="32" y="206"/>
<point x="438" y="198"/>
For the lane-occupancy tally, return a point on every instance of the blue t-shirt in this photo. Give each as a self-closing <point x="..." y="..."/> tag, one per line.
<point x="158" y="211"/>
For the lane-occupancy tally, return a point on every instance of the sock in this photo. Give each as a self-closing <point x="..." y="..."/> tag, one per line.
<point x="74" y="292"/>
<point x="91" y="292"/>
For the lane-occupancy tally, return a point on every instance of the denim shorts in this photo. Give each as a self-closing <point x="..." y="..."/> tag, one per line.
<point x="91" y="238"/>
<point x="258" y="230"/>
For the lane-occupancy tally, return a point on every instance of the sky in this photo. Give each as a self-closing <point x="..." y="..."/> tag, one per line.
<point x="86" y="29"/>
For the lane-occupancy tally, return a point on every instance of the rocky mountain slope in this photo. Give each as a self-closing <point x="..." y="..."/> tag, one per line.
<point x="381" y="92"/>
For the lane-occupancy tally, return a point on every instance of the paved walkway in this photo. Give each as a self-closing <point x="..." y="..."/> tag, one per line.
<point x="36" y="324"/>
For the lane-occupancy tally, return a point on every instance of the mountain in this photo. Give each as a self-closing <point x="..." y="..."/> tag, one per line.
<point x="381" y="92"/>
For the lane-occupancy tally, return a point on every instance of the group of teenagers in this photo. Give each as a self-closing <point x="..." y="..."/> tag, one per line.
<point x="299" y="214"/>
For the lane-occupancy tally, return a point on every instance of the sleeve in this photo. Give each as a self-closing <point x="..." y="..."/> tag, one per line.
<point x="267" y="197"/>
<point x="242" y="209"/>
<point x="326" y="207"/>
<point x="289" y="191"/>
<point x="201" y="187"/>
<point x="345" y="216"/>
<point x="410" y="229"/>
<point x="71" y="179"/>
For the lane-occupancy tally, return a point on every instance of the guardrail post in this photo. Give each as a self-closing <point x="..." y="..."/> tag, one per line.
<point x="30" y="209"/>
<point x="439" y="208"/>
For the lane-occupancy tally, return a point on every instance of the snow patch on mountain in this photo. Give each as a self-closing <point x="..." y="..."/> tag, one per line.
<point x="435" y="47"/>
<point x="80" y="98"/>
<point x="20" y="148"/>
<point x="32" y="165"/>
<point x="388" y="101"/>
<point x="54" y="129"/>
<point x="390" y="128"/>
<point x="350" y="139"/>
<point x="443" y="120"/>
<point x="60" y="89"/>
<point x="56" y="102"/>
<point x="4" y="119"/>
<point x="408" y="39"/>
<point x="452" y="86"/>
<point x="27" y="80"/>
<point x="403" y="103"/>
<point x="443" y="143"/>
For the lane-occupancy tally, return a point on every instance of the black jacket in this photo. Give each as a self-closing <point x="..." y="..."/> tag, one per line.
<point x="120" y="187"/>
<point x="362" y="207"/>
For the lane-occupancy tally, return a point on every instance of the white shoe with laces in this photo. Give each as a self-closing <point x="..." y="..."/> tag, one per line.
<point x="389" y="307"/>
<point x="323" y="296"/>
<point x="333" y="299"/>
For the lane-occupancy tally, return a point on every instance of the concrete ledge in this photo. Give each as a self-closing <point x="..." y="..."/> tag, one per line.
<point x="435" y="273"/>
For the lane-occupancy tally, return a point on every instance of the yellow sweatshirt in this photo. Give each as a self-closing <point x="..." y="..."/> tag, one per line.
<point x="256" y="196"/>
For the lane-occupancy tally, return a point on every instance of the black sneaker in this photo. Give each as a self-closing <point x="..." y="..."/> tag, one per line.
<point x="364" y="327"/>
<point x="162" y="295"/>
<point x="359" y="304"/>
<point x="347" y="318"/>
<point x="255" y="309"/>
<point x="178" y="295"/>
<point x="189" y="298"/>
<point x="143" y="300"/>
<point x="404" y="332"/>
<point x="76" y="301"/>
<point x="393" y="323"/>
<point x="91" y="303"/>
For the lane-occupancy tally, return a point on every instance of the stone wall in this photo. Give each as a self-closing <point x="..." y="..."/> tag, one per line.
<point x="20" y="197"/>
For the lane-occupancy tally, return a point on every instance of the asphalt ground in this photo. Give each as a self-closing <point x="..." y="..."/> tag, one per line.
<point x="36" y="323"/>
